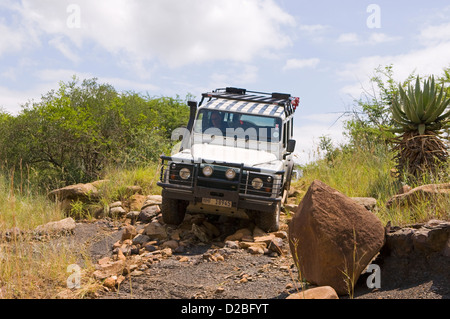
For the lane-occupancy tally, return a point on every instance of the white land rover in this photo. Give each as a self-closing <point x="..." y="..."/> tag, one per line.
<point x="235" y="158"/>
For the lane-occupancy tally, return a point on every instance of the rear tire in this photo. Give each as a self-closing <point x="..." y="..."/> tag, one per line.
<point x="173" y="210"/>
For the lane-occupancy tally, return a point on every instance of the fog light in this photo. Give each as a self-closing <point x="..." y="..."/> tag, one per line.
<point x="257" y="183"/>
<point x="207" y="171"/>
<point x="230" y="173"/>
<point x="185" y="173"/>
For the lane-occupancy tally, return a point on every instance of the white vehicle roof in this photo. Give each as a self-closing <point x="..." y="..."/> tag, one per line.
<point x="243" y="101"/>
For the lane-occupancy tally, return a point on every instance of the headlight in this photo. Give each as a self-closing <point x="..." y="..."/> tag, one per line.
<point x="207" y="171"/>
<point x="230" y="173"/>
<point x="185" y="173"/>
<point x="257" y="183"/>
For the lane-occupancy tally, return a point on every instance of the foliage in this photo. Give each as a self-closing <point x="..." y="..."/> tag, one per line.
<point x="371" y="121"/>
<point x="74" y="132"/>
<point x="358" y="172"/>
<point x="420" y="109"/>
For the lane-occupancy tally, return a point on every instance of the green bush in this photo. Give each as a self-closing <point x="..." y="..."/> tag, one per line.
<point x="74" y="132"/>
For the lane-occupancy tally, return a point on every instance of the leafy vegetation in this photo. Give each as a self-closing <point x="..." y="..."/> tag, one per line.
<point x="81" y="132"/>
<point x="78" y="130"/>
<point x="366" y="166"/>
<point x="420" y="116"/>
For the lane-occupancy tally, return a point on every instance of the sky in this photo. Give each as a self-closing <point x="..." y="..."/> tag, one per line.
<point x="324" y="52"/>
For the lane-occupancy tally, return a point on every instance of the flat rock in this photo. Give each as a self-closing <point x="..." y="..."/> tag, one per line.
<point x="66" y="225"/>
<point x="324" y="292"/>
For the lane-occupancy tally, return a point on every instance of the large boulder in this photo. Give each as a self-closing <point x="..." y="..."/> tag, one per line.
<point x="332" y="238"/>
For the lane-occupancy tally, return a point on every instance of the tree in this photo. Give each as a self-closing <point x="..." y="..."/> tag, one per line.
<point x="75" y="131"/>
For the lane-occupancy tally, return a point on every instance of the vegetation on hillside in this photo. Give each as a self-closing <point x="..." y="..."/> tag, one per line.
<point x="77" y="131"/>
<point x="367" y="165"/>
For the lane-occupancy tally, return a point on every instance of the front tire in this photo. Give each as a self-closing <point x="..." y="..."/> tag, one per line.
<point x="269" y="221"/>
<point x="173" y="210"/>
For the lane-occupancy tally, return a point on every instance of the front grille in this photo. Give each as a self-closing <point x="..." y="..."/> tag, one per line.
<point x="242" y="182"/>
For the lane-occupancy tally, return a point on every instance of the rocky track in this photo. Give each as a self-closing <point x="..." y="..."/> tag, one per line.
<point x="218" y="270"/>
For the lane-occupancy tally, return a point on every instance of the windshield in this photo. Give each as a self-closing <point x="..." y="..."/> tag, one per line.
<point x="229" y="124"/>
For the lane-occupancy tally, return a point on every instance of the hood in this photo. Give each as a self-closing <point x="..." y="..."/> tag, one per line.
<point x="220" y="153"/>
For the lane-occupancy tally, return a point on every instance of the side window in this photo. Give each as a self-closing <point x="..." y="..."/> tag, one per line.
<point x="284" y="134"/>
<point x="199" y="123"/>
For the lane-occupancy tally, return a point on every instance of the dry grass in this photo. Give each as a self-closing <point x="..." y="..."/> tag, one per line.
<point x="363" y="173"/>
<point x="31" y="268"/>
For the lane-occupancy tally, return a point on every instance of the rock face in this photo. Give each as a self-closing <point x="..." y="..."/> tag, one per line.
<point x="333" y="238"/>
<point x="426" y="239"/>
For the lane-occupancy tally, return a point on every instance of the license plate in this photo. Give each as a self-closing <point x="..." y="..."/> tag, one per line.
<point x="217" y="202"/>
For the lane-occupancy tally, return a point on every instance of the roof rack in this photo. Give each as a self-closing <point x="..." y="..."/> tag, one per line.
<point x="231" y="93"/>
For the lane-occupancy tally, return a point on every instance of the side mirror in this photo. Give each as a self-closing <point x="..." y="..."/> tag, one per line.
<point x="290" y="146"/>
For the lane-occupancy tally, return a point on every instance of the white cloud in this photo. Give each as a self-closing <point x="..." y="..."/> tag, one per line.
<point x="12" y="100"/>
<point x="435" y="34"/>
<point x="348" y="38"/>
<point x="56" y="75"/>
<point x="313" y="28"/>
<point x="425" y="61"/>
<point x="301" y="63"/>
<point x="307" y="135"/>
<point x="171" y="31"/>
<point x="59" y="44"/>
<point x="128" y="85"/>
<point x="11" y="40"/>
<point x="431" y="57"/>
<point x="372" y="38"/>
<point x="377" y="37"/>
<point x="238" y="76"/>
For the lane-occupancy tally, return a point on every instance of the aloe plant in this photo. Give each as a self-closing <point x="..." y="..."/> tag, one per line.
<point x="421" y="110"/>
<point x="420" y="114"/>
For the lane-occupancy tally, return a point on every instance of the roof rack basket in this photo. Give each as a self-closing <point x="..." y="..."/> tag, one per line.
<point x="231" y="93"/>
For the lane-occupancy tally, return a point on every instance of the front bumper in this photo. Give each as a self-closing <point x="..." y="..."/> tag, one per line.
<point x="238" y="191"/>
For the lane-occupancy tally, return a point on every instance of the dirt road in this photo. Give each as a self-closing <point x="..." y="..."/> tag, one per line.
<point x="212" y="270"/>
